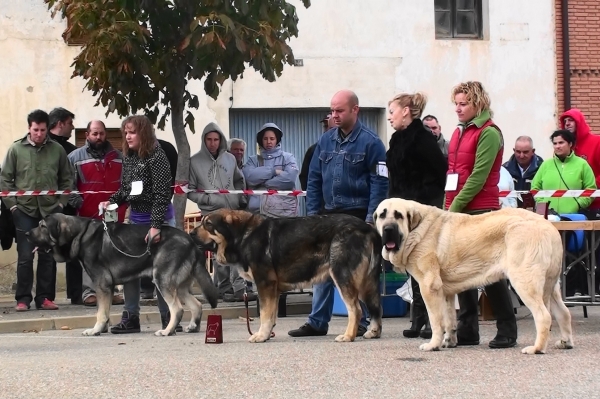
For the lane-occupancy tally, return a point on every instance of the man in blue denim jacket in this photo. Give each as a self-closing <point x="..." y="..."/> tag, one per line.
<point x="342" y="178"/>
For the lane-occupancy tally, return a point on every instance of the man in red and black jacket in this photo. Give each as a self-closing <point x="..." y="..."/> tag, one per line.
<point x="98" y="167"/>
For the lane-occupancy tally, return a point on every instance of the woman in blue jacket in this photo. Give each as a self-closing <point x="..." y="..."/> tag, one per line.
<point x="271" y="169"/>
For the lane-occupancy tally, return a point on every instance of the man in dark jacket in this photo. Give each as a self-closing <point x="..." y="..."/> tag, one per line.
<point x="327" y="123"/>
<point x="524" y="163"/>
<point x="60" y="130"/>
<point x="432" y="123"/>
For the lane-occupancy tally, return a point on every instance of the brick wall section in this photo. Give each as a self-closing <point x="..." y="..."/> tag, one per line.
<point x="584" y="43"/>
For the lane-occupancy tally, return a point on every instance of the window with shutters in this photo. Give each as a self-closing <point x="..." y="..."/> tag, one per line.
<point x="73" y="40"/>
<point x="458" y="19"/>
<point x="113" y="136"/>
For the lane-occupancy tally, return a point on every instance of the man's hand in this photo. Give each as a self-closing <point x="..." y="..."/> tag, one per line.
<point x="153" y="233"/>
<point x="278" y="171"/>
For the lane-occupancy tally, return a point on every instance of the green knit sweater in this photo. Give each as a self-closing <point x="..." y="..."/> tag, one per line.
<point x="575" y="172"/>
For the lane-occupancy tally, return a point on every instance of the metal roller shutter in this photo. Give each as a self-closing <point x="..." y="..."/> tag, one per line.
<point x="301" y="128"/>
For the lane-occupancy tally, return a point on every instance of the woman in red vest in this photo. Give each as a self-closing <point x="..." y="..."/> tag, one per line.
<point x="474" y="161"/>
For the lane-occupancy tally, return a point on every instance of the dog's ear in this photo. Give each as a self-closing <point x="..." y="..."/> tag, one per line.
<point x="53" y="228"/>
<point x="67" y="233"/>
<point x="413" y="218"/>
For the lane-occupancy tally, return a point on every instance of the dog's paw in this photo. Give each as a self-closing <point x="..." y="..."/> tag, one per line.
<point x="344" y="338"/>
<point x="563" y="345"/>
<point x="429" y="347"/>
<point x="449" y="343"/>
<point x="90" y="332"/>
<point x="163" y="333"/>
<point x="530" y="350"/>
<point x="192" y="328"/>
<point x="372" y="334"/>
<point x="258" y="337"/>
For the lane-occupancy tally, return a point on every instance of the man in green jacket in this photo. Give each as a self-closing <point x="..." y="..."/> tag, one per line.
<point x="35" y="163"/>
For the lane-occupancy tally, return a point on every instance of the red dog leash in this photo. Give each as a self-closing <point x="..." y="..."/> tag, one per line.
<point x="248" y="314"/>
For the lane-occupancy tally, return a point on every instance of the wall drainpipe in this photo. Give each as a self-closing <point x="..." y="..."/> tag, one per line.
<point x="566" y="55"/>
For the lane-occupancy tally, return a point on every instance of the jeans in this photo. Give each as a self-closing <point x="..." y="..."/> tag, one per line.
<point x="46" y="266"/>
<point x="88" y="286"/>
<point x="322" y="301"/>
<point x="132" y="290"/>
<point x="322" y="307"/>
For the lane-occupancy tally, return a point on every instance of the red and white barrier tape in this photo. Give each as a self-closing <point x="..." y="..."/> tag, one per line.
<point x="179" y="189"/>
<point x="183" y="189"/>
<point x="551" y="193"/>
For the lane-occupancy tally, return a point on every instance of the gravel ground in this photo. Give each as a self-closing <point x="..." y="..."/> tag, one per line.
<point x="63" y="364"/>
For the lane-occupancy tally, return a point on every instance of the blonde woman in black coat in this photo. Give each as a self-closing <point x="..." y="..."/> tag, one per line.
<point x="417" y="171"/>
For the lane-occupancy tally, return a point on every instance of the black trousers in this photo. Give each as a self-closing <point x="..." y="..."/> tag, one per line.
<point x="73" y="269"/>
<point x="500" y="301"/>
<point x="46" y="267"/>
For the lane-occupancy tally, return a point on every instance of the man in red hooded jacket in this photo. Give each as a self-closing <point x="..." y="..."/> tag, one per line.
<point x="98" y="167"/>
<point x="587" y="145"/>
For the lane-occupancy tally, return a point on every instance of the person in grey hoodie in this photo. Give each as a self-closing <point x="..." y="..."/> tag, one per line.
<point x="214" y="168"/>
<point x="271" y="169"/>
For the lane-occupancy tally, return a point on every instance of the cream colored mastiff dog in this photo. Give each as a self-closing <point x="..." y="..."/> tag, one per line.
<point x="450" y="252"/>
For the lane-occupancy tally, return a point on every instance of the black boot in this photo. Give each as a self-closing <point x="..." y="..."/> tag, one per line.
<point x="164" y="321"/>
<point x="130" y="323"/>
<point x="419" y="312"/>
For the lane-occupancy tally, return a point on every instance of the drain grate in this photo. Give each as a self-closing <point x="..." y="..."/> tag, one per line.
<point x="411" y="359"/>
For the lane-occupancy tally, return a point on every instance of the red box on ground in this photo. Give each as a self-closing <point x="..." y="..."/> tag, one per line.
<point x="214" y="329"/>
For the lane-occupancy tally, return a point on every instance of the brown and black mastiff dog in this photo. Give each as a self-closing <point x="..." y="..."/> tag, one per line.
<point x="288" y="253"/>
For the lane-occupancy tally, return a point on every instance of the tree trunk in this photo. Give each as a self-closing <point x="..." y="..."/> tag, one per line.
<point x="183" y="146"/>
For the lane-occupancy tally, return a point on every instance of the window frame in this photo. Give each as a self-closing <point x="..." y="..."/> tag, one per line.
<point x="73" y="41"/>
<point x="113" y="135"/>
<point x="478" y="35"/>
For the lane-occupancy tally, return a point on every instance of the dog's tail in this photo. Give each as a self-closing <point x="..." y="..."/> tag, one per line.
<point x="211" y="293"/>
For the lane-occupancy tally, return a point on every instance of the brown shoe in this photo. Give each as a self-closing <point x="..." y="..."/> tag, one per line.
<point x="90" y="301"/>
<point x="118" y="300"/>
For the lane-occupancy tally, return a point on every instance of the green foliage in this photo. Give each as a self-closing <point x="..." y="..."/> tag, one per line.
<point x="138" y="54"/>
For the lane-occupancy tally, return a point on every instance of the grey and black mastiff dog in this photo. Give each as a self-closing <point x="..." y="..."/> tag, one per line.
<point x="120" y="254"/>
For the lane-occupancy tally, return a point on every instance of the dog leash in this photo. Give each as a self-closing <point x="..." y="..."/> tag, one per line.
<point x="147" y="252"/>
<point x="248" y="313"/>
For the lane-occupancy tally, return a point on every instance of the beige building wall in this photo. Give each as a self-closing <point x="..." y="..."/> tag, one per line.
<point x="377" y="48"/>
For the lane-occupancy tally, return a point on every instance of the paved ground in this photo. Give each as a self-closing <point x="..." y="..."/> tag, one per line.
<point x="78" y="316"/>
<point x="63" y="364"/>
